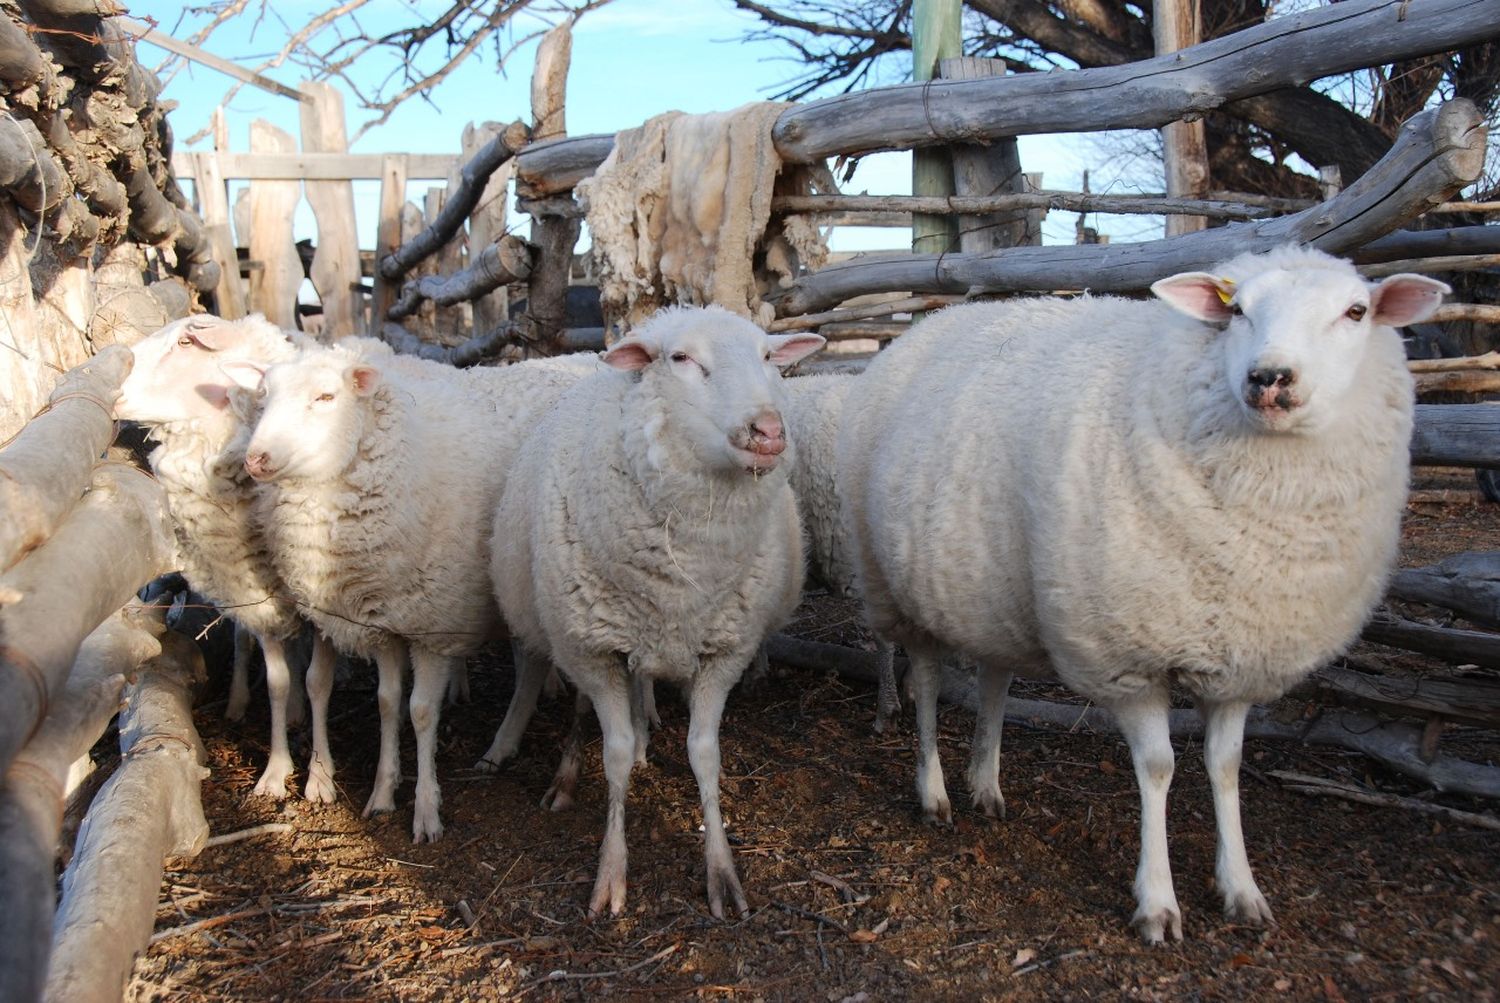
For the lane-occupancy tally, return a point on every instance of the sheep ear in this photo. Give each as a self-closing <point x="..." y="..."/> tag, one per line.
<point x="789" y="348"/>
<point x="1406" y="299"/>
<point x="631" y="354"/>
<point x="364" y="379"/>
<point x="244" y="374"/>
<point x="210" y="332"/>
<point x="1197" y="294"/>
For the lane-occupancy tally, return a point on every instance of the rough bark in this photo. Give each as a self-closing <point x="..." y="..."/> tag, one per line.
<point x="335" y="267"/>
<point x="1468" y="584"/>
<point x="47" y="467"/>
<point x="557" y="165"/>
<point x="546" y="314"/>
<point x="1459" y="647"/>
<point x="116" y="538"/>
<point x="469" y="353"/>
<point x="1456" y="435"/>
<point x="149" y="810"/>
<point x="502" y="263"/>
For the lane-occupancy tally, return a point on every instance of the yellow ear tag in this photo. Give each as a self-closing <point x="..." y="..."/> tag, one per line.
<point x="1225" y="289"/>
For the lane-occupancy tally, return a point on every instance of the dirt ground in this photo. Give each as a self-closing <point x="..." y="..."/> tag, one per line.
<point x="854" y="897"/>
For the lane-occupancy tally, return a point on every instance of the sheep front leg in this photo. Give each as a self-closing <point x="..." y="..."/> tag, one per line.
<point x="239" y="678"/>
<point x="1145" y="725"/>
<point x="429" y="685"/>
<point x="611" y="701"/>
<point x="926" y="674"/>
<point x="706" y="710"/>
<point x="989" y="723"/>
<point x="319" y="786"/>
<point x="531" y="673"/>
<point x="272" y="782"/>
<point x="1223" y="739"/>
<point x="390" y="660"/>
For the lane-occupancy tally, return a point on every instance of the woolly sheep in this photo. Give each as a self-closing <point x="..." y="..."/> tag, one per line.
<point x="1137" y="495"/>
<point x="179" y="391"/>
<point x="379" y="478"/>
<point x="814" y="405"/>
<point x="648" y="532"/>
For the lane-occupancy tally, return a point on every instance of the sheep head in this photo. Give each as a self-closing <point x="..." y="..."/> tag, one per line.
<point x="177" y="374"/>
<point x="1297" y="325"/>
<point x="715" y="378"/>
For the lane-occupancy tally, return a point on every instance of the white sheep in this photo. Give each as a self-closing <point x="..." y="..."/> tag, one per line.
<point x="380" y="476"/>
<point x="178" y="389"/>
<point x="814" y="405"/>
<point x="647" y="533"/>
<point x="1125" y="495"/>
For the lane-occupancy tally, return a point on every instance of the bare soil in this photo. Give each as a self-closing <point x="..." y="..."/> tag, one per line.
<point x="853" y="895"/>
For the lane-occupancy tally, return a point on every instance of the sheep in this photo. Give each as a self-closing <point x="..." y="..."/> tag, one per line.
<point x="379" y="476"/>
<point x="177" y="389"/>
<point x="648" y="532"/>
<point x="814" y="404"/>
<point x="1204" y="490"/>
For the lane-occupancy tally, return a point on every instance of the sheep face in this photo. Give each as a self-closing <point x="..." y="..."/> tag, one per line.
<point x="311" y="416"/>
<point x="1294" y="338"/>
<point x="717" y="379"/>
<point x="177" y="374"/>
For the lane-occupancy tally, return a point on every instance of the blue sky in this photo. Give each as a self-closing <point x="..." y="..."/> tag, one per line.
<point x="631" y="59"/>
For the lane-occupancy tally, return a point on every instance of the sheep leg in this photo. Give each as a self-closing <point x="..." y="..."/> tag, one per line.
<point x="272" y="783"/>
<point x="1144" y="722"/>
<point x="989" y="723"/>
<point x="458" y="683"/>
<point x="926" y="674"/>
<point x="888" y="701"/>
<point x="239" y="677"/>
<point x="642" y="713"/>
<point x="531" y="673"/>
<point x="565" y="781"/>
<point x="1223" y="739"/>
<point x="319" y="785"/>
<point x="296" y="691"/>
<point x="706" y="709"/>
<point x="612" y="704"/>
<point x="648" y="702"/>
<point x="389" y="661"/>
<point x="428" y="686"/>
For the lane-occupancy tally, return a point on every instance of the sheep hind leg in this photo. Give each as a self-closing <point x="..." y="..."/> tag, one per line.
<point x="390" y="661"/>
<point x="296" y="693"/>
<point x="319" y="785"/>
<point x="272" y="782"/>
<point x="989" y="724"/>
<point x="710" y="689"/>
<point x="1223" y="739"/>
<point x="926" y="674"/>
<point x="643" y="713"/>
<point x="888" y="700"/>
<point x="1145" y="723"/>
<point x="531" y="673"/>
<point x="239" y="678"/>
<point x="612" y="704"/>
<point x="429" y="685"/>
<point x="559" y="796"/>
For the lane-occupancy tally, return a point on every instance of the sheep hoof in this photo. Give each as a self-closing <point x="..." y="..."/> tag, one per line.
<point x="609" y="890"/>
<point x="272" y="783"/>
<point x="992" y="803"/>
<point x="557" y="798"/>
<point x="940" y="812"/>
<point x="379" y="804"/>
<point x="1154" y="924"/>
<point x="721" y="881"/>
<point x="235" y="709"/>
<point x="488" y="765"/>
<point x="319" y="786"/>
<point x="1247" y="907"/>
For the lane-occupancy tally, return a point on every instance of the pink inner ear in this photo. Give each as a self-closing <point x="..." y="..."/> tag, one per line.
<point x="212" y="333"/>
<point x="789" y="348"/>
<point x="628" y="355"/>
<point x="365" y="379"/>
<point x="1195" y="294"/>
<point x="1406" y="299"/>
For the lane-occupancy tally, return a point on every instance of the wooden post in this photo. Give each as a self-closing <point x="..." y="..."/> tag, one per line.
<point x="1175" y="25"/>
<point x="549" y="83"/>
<point x="274" y="286"/>
<point x="985" y="170"/>
<point x="487" y="225"/>
<point x="388" y="234"/>
<point x="555" y="237"/>
<point x="335" y="266"/>
<point x="213" y="206"/>
<point x="936" y="35"/>
<point x="452" y="323"/>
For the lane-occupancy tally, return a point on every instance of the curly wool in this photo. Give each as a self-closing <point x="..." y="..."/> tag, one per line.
<point x="1097" y="502"/>
<point x="814" y="405"/>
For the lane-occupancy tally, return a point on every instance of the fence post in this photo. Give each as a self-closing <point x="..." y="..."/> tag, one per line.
<point x="936" y="34"/>
<point x="986" y="170"/>
<point x="388" y="236"/>
<point x="273" y="287"/>
<point x="1175" y="25"/>
<point x="335" y="266"/>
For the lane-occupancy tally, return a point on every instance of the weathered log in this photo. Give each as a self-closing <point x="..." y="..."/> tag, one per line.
<point x="1429" y="244"/>
<point x="1456" y="435"/>
<point x="335" y="266"/>
<point x="469" y="353"/>
<point x="1459" y="647"/>
<point x="487" y="225"/>
<point x="149" y="810"/>
<point x="116" y="538"/>
<point x="546" y="314"/>
<point x="869" y="311"/>
<point x="1481" y="313"/>
<point x="1489" y="360"/>
<point x="1436" y="153"/>
<point x="28" y="170"/>
<point x="556" y="165"/>
<point x="33" y="792"/>
<point x="1392" y="743"/>
<point x="1468" y="701"/>
<point x="1468" y="584"/>
<point x="103" y="191"/>
<point x="1432" y="266"/>
<point x="549" y="83"/>
<point x="21" y="63"/>
<point x="502" y="263"/>
<point x="1457" y="382"/>
<point x="1284" y="52"/>
<point x="459" y="203"/>
<point x="1145" y="205"/>
<point x="46" y="468"/>
<point x="153" y="217"/>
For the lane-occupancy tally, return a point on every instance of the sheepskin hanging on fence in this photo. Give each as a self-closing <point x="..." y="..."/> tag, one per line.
<point x="680" y="212"/>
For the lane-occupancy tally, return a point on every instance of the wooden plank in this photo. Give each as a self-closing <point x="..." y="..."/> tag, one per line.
<point x="273" y="289"/>
<point x="335" y="265"/>
<point x="1456" y="435"/>
<point x="388" y="235"/>
<point x="549" y="83"/>
<point x="146" y="33"/>
<point x="307" y="166"/>
<point x="213" y="206"/>
<point x="1174" y="26"/>
<point x="936" y="35"/>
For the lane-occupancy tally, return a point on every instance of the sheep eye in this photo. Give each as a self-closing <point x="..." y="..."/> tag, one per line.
<point x="1356" y="312"/>
<point x="325" y="397"/>
<point x="184" y="341"/>
<point x="1235" y="310"/>
<point x="679" y="356"/>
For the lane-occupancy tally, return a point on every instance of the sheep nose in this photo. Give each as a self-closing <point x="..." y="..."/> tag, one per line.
<point x="767" y="425"/>
<point x="258" y="464"/>
<point x="1268" y="377"/>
